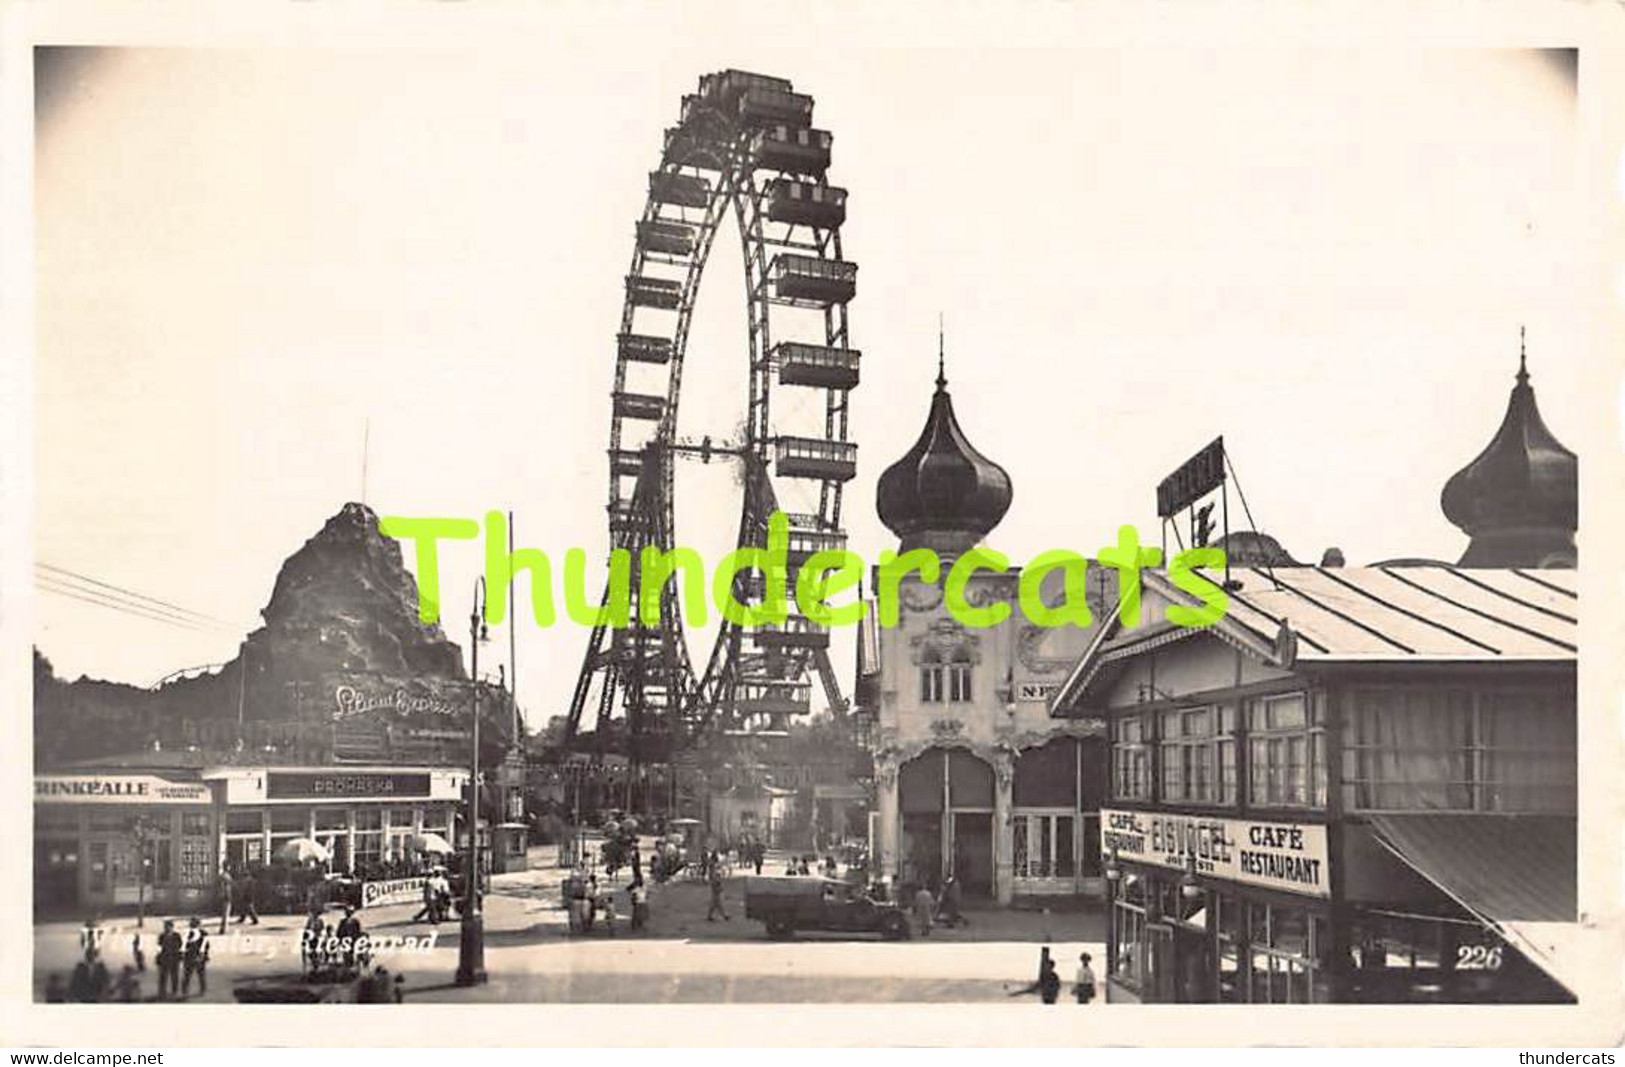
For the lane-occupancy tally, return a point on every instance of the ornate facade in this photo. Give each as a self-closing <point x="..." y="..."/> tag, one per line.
<point x="974" y="779"/>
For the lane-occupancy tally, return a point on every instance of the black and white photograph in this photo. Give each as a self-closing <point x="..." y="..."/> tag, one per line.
<point x="979" y="514"/>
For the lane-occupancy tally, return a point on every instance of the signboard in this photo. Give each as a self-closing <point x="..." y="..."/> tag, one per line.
<point x="116" y="789"/>
<point x="296" y="785"/>
<point x="350" y="700"/>
<point x="1196" y="478"/>
<point x="1036" y="691"/>
<point x="1286" y="856"/>
<point x="392" y="891"/>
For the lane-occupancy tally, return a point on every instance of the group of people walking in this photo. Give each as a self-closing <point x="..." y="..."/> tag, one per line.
<point x="183" y="956"/>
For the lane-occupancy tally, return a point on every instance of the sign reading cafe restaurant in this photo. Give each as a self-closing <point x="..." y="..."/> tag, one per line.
<point x="1271" y="855"/>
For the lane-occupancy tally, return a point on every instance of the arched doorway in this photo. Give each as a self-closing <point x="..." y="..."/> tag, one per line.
<point x="945" y="800"/>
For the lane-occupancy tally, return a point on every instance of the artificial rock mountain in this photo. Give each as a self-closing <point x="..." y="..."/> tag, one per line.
<point x="341" y="659"/>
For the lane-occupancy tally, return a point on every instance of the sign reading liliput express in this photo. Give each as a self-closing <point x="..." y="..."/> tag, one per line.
<point x="117" y="789"/>
<point x="391" y="891"/>
<point x="1272" y="855"/>
<point x="291" y="785"/>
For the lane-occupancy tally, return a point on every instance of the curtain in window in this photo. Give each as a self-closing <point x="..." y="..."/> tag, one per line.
<point x="1414" y="749"/>
<point x="1529" y="760"/>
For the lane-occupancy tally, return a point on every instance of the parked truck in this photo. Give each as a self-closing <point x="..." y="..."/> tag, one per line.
<point x="800" y="902"/>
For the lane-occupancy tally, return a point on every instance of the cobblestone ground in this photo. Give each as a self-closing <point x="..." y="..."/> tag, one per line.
<point x="530" y="955"/>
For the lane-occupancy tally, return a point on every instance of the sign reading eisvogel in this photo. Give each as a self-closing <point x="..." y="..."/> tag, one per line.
<point x="1272" y="855"/>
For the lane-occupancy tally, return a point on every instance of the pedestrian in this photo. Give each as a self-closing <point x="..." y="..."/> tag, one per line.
<point x="310" y="944"/>
<point x="1045" y="966"/>
<point x="251" y="897"/>
<point x="79" y="988"/>
<point x="640" y="904"/>
<point x="349" y="934"/>
<point x="607" y="906"/>
<point x="758" y="852"/>
<point x="924" y="906"/>
<point x="195" y="957"/>
<point x="128" y="988"/>
<point x="136" y="951"/>
<point x="101" y="982"/>
<point x="429" y="902"/>
<point x="227" y="886"/>
<point x="716" y="899"/>
<point x="90" y="938"/>
<point x="1049" y="982"/>
<point x="952" y="906"/>
<point x="1084" y="987"/>
<point x="169" y="961"/>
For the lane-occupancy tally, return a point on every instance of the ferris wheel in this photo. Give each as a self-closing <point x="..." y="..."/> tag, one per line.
<point x="744" y="144"/>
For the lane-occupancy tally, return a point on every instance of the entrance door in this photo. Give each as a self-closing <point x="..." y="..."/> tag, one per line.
<point x="973" y="852"/>
<point x="56" y="872"/>
<point x="922" y="849"/>
<point x="1195" y="963"/>
<point x="1159" y="963"/>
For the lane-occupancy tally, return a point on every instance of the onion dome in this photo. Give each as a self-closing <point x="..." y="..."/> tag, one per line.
<point x="943" y="494"/>
<point x="1519" y="499"/>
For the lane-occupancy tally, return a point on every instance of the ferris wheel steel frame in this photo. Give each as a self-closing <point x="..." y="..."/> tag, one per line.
<point x="746" y="144"/>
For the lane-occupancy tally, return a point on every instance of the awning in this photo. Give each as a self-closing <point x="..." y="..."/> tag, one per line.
<point x="1517" y="873"/>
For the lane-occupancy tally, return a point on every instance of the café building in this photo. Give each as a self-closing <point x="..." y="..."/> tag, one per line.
<point x="1358" y="785"/>
<point x="156" y="828"/>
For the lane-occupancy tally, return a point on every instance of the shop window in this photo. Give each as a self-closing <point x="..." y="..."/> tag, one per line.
<point x="369" y="819"/>
<point x="197" y="854"/>
<point x="1043" y="846"/>
<point x="244" y="822"/>
<point x="368" y="851"/>
<point x="1198" y="755"/>
<point x="1283" y="957"/>
<point x="295" y="821"/>
<point x="241" y="852"/>
<point x="1131" y="761"/>
<point x="160" y="868"/>
<point x="1129" y="965"/>
<point x="332" y="820"/>
<point x="1287" y="751"/>
<point x="1461" y="750"/>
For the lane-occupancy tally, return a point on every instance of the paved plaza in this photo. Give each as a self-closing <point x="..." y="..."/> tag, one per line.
<point x="531" y="956"/>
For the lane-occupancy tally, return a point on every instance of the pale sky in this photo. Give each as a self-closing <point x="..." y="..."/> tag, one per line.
<point x="244" y="255"/>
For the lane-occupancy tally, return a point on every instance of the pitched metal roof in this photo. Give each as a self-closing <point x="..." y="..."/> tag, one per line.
<point x="1383" y="614"/>
<point x="1410" y="613"/>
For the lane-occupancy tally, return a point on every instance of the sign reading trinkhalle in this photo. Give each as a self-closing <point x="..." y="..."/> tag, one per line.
<point x="1273" y="855"/>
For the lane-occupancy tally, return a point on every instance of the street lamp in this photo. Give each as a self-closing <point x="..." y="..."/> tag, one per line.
<point x="1189" y="887"/>
<point x="471" y="940"/>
